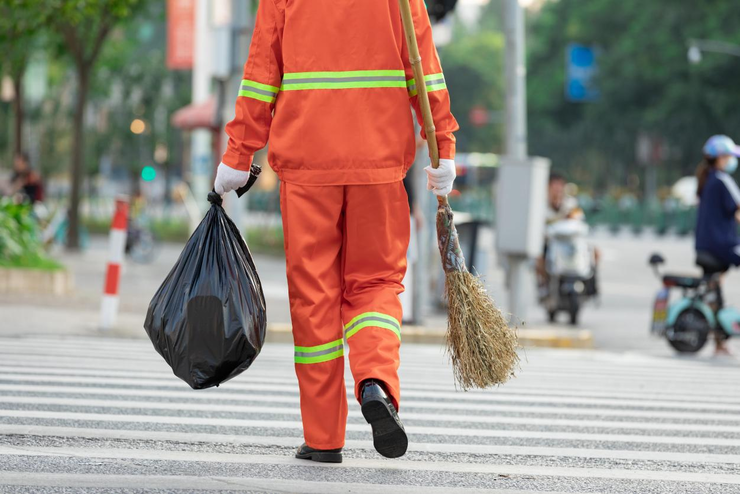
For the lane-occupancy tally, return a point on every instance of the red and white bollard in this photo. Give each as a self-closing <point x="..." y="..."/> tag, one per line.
<point x="109" y="305"/>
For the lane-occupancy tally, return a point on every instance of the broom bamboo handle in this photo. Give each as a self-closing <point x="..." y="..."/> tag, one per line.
<point x="421" y="87"/>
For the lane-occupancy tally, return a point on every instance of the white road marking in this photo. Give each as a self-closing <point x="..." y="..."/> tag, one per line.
<point x="256" y="373"/>
<point x="669" y="379"/>
<point x="439" y="431"/>
<point x="43" y="368"/>
<point x="490" y="396"/>
<point x="385" y="464"/>
<point x="480" y="449"/>
<point x="129" y="381"/>
<point x="187" y="482"/>
<point x="521" y="410"/>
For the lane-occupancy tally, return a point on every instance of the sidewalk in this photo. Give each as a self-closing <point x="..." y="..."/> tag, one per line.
<point x="78" y="313"/>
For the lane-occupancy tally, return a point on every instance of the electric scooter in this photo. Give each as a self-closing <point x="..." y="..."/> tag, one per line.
<point x="686" y="322"/>
<point x="570" y="264"/>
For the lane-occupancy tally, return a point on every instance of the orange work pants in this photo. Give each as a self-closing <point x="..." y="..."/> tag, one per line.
<point x="345" y="249"/>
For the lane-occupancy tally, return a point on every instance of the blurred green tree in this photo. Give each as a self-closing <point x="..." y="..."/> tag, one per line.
<point x="84" y="26"/>
<point x="646" y="82"/>
<point x="473" y="66"/>
<point x="18" y="33"/>
<point x="133" y="81"/>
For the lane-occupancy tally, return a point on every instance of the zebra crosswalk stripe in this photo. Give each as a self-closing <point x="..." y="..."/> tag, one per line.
<point x="408" y="404"/>
<point x="79" y="432"/>
<point x="599" y="423"/>
<point x="169" y="483"/>
<point x="455" y="467"/>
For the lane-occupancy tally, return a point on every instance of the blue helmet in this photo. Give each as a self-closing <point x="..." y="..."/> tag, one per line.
<point x="720" y="145"/>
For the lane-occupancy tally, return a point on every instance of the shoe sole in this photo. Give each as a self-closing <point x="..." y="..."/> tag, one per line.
<point x="389" y="438"/>
<point x="321" y="457"/>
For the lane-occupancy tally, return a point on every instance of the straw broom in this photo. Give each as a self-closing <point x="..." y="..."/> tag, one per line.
<point x="480" y="343"/>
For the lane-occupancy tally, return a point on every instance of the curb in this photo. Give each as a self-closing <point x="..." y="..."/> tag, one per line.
<point x="556" y="338"/>
<point x="543" y="338"/>
<point x="29" y="281"/>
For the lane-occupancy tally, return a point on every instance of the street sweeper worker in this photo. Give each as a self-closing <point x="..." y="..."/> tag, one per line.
<point x="330" y="86"/>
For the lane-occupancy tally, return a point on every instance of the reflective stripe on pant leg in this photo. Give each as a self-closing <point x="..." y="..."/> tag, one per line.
<point x="319" y="353"/>
<point x="372" y="319"/>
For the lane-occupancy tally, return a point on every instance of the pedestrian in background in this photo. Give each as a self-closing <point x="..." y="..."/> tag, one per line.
<point x="719" y="209"/>
<point x="330" y="89"/>
<point x="25" y="182"/>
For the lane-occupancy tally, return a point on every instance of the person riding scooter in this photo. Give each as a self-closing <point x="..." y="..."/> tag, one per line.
<point x="559" y="206"/>
<point x="719" y="210"/>
<point x="567" y="268"/>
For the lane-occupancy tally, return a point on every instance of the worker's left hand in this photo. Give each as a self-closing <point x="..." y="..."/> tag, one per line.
<point x="440" y="180"/>
<point x="228" y="179"/>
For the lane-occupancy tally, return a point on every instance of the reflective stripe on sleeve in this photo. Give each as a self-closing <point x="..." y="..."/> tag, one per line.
<point x="350" y="79"/>
<point x="434" y="82"/>
<point x="319" y="353"/>
<point x="373" y="320"/>
<point x="258" y="91"/>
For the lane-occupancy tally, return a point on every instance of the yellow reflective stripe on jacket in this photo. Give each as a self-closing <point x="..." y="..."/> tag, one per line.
<point x="348" y="79"/>
<point x="434" y="82"/>
<point x="259" y="91"/>
<point x="320" y="353"/>
<point x="374" y="320"/>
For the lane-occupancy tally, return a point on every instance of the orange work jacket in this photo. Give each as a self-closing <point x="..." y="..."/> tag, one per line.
<point x="328" y="83"/>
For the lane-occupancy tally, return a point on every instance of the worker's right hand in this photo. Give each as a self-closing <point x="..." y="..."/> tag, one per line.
<point x="440" y="180"/>
<point x="228" y="179"/>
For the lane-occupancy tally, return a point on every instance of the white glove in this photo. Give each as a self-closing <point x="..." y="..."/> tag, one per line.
<point x="228" y="179"/>
<point x="440" y="180"/>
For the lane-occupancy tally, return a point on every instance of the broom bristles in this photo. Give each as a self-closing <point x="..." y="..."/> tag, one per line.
<point x="480" y="343"/>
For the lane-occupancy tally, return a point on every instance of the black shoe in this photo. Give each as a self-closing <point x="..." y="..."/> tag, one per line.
<point x="389" y="436"/>
<point x="321" y="455"/>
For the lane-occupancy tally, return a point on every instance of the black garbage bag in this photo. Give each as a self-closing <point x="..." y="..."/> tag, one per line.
<point x="208" y="318"/>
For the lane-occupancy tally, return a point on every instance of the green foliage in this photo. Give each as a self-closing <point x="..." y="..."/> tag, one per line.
<point x="171" y="230"/>
<point x="165" y="230"/>
<point x="473" y="64"/>
<point x="20" y="245"/>
<point x="97" y="226"/>
<point x="266" y="240"/>
<point x="18" y="26"/>
<point x="82" y="24"/>
<point x="647" y="84"/>
<point x="261" y="240"/>
<point x="132" y="66"/>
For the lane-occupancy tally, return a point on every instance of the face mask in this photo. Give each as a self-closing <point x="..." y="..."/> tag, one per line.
<point x="731" y="165"/>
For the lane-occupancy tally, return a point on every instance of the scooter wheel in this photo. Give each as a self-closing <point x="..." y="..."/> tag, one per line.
<point x="690" y="332"/>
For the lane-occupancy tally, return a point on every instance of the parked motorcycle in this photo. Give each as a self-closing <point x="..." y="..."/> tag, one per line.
<point x="570" y="265"/>
<point x="687" y="322"/>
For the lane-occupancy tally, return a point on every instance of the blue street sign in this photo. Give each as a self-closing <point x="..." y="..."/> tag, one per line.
<point x="580" y="73"/>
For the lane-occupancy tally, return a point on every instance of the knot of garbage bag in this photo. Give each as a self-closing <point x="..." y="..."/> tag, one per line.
<point x="214" y="198"/>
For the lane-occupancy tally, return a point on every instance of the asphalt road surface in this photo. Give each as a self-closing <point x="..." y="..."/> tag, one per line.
<point x="106" y="415"/>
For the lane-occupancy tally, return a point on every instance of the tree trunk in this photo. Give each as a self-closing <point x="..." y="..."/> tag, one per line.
<point x="73" y="232"/>
<point x="18" y="113"/>
<point x="135" y="176"/>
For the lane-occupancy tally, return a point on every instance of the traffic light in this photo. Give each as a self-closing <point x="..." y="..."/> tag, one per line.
<point x="438" y="9"/>
<point x="148" y="173"/>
